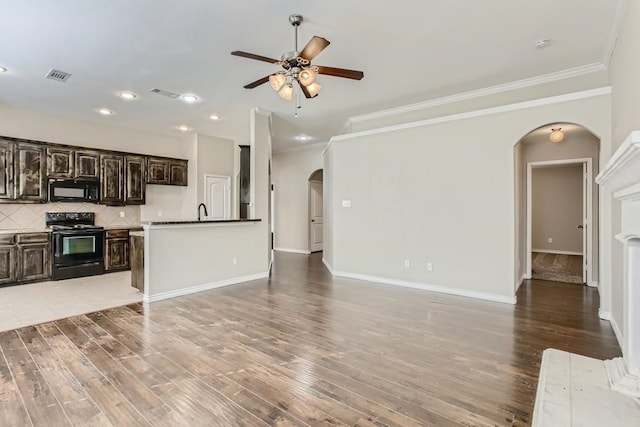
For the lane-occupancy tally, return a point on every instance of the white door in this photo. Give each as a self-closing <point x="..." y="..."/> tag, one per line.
<point x="217" y="196"/>
<point x="315" y="216"/>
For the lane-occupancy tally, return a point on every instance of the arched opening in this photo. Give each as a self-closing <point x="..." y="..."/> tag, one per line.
<point x="315" y="211"/>
<point x="557" y="205"/>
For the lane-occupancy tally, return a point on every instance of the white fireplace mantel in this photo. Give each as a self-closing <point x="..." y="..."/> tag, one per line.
<point x="621" y="176"/>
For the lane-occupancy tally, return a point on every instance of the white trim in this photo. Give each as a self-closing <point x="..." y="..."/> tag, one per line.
<point x="301" y="148"/>
<point x="204" y="287"/>
<point x="631" y="193"/>
<point x="329" y="266"/>
<point x="293" y="251"/>
<point x="427" y="287"/>
<point x="517" y="287"/>
<point x="593" y="284"/>
<point x="610" y="175"/>
<point x="476" y="113"/>
<point x="604" y="315"/>
<point x="617" y="332"/>
<point x="549" y="251"/>
<point x="618" y="17"/>
<point x="478" y="93"/>
<point x="204" y="223"/>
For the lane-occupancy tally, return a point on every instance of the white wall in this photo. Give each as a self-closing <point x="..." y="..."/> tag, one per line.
<point x="556" y="209"/>
<point x="215" y="156"/>
<point x="440" y="193"/>
<point x="291" y="172"/>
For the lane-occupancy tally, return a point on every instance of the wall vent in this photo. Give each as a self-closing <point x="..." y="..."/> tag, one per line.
<point x="165" y="93"/>
<point x="57" y="75"/>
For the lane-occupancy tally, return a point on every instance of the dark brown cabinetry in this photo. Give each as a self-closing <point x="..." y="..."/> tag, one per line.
<point x="30" y="173"/>
<point x="137" y="261"/>
<point x="111" y="179"/>
<point x="135" y="180"/>
<point x="167" y="171"/>
<point x="6" y="172"/>
<point x="34" y="256"/>
<point x="116" y="253"/>
<point x="87" y="164"/>
<point x="7" y="259"/>
<point x="60" y="162"/>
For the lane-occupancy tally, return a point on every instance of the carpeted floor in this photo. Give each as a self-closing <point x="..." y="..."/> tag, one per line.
<point x="555" y="267"/>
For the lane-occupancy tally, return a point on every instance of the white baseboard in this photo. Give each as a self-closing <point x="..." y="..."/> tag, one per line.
<point x="593" y="284"/>
<point x="604" y="315"/>
<point x="550" y="251"/>
<point x="522" y="279"/>
<point x="617" y="332"/>
<point x="203" y="287"/>
<point x="426" y="287"/>
<point x="293" y="251"/>
<point x="329" y="266"/>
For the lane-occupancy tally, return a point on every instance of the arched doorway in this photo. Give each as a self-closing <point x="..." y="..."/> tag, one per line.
<point x="557" y="204"/>
<point x="315" y="211"/>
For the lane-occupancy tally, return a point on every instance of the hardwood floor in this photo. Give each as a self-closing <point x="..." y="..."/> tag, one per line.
<point x="302" y="348"/>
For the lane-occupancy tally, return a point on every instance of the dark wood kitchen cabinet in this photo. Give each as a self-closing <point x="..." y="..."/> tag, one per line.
<point x="116" y="253"/>
<point x="111" y="179"/>
<point x="34" y="256"/>
<point x="30" y="172"/>
<point x="60" y="162"/>
<point x="178" y="172"/>
<point x="6" y="169"/>
<point x="7" y="259"/>
<point x="87" y="164"/>
<point x="167" y="171"/>
<point x="135" y="173"/>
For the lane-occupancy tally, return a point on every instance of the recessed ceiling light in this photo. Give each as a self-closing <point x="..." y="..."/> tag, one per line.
<point x="2" y="69"/>
<point x="303" y="138"/>
<point x="127" y="95"/>
<point x="542" y="43"/>
<point x="189" y="98"/>
<point x="183" y="128"/>
<point x="105" y="111"/>
<point x="215" y="117"/>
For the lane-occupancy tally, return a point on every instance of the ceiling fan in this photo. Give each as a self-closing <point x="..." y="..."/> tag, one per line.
<point x="297" y="67"/>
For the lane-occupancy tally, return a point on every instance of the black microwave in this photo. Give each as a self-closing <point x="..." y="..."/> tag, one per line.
<point x="68" y="190"/>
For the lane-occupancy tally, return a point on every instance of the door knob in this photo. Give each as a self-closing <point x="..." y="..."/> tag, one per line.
<point x="313" y="220"/>
<point x="581" y="226"/>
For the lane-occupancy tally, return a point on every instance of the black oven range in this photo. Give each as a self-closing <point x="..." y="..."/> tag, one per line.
<point x="77" y="244"/>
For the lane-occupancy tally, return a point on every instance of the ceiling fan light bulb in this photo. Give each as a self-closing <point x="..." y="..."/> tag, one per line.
<point x="277" y="80"/>
<point x="286" y="92"/>
<point x="307" y="76"/>
<point x="556" y="135"/>
<point x="314" y="88"/>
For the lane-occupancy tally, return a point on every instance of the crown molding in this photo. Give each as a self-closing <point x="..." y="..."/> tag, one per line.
<point x="519" y="84"/>
<point x="616" y="24"/>
<point x="591" y="93"/>
<point x="301" y="148"/>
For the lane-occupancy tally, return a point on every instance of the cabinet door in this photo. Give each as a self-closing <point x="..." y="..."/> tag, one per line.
<point x="87" y="164"/>
<point x="7" y="264"/>
<point x="30" y="172"/>
<point x="34" y="261"/>
<point x="158" y="169"/>
<point x="60" y="162"/>
<point x="116" y="255"/>
<point x="135" y="178"/>
<point x="178" y="172"/>
<point x="111" y="179"/>
<point x="6" y="169"/>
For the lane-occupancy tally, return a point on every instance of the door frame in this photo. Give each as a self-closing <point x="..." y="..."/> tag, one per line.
<point x="309" y="224"/>
<point x="227" y="200"/>
<point x="587" y="220"/>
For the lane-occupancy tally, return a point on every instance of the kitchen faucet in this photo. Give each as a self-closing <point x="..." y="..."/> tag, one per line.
<point x="202" y="205"/>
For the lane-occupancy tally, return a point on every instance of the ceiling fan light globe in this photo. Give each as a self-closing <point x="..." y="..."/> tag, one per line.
<point x="286" y="92"/>
<point x="307" y="76"/>
<point x="314" y="88"/>
<point x="277" y="80"/>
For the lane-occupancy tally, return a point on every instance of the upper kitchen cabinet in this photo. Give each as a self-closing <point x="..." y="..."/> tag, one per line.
<point x="6" y="170"/>
<point x="164" y="170"/>
<point x="87" y="164"/>
<point x="60" y="162"/>
<point x="111" y="179"/>
<point x="135" y="180"/>
<point x="30" y="172"/>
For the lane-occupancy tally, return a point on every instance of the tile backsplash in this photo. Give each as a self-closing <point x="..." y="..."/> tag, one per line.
<point x="23" y="215"/>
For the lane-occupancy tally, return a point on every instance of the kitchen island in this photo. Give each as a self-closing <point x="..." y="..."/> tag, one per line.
<point x="183" y="257"/>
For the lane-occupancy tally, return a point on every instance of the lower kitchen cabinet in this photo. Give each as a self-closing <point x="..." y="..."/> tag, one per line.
<point x="34" y="256"/>
<point x="7" y="263"/>
<point x="116" y="253"/>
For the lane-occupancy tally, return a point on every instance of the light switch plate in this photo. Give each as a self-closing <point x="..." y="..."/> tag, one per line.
<point x="346" y="203"/>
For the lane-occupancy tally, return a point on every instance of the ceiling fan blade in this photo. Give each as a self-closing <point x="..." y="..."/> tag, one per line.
<point x="304" y="90"/>
<point x="257" y="83"/>
<point x="340" y="72"/>
<point x="254" y="56"/>
<point x="314" y="47"/>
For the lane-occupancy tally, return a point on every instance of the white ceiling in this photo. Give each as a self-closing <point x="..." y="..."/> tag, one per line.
<point x="409" y="50"/>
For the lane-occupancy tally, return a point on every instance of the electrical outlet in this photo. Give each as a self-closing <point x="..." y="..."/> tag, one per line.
<point x="429" y="266"/>
<point x="407" y="263"/>
<point x="346" y="203"/>
<point x="159" y="213"/>
<point x="550" y="240"/>
<point x="235" y="260"/>
<point x="121" y="214"/>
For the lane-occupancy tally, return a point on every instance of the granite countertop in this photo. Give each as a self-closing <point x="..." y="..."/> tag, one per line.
<point x="123" y="227"/>
<point x="26" y="230"/>
<point x="204" y="221"/>
<point x="136" y="234"/>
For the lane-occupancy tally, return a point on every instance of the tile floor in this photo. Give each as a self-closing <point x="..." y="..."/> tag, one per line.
<point x="574" y="390"/>
<point x="34" y="303"/>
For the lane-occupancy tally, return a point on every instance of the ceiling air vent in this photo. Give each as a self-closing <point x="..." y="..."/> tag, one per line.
<point x="165" y="93"/>
<point x="57" y="75"/>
